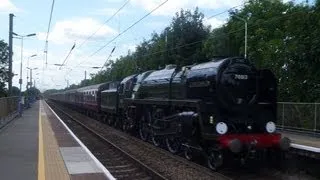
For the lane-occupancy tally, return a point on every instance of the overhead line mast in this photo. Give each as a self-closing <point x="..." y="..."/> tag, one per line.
<point x="46" y="44"/>
<point x="74" y="45"/>
<point x="108" y="58"/>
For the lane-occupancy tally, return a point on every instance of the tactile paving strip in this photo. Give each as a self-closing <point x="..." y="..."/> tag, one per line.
<point x="54" y="165"/>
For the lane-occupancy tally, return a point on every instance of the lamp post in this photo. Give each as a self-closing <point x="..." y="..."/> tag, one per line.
<point x="30" y="83"/>
<point x="20" y="80"/>
<point x="28" y="66"/>
<point x="30" y="57"/>
<point x="245" y="34"/>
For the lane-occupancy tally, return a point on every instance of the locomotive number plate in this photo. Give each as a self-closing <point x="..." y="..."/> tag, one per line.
<point x="241" y="76"/>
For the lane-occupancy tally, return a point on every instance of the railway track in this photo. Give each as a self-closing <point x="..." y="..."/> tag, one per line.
<point x="172" y="166"/>
<point x="119" y="163"/>
<point x="164" y="164"/>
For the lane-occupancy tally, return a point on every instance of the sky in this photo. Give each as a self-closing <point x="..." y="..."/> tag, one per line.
<point x="73" y="21"/>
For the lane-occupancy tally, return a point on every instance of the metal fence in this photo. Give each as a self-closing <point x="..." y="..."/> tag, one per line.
<point x="8" y="105"/>
<point x="299" y="116"/>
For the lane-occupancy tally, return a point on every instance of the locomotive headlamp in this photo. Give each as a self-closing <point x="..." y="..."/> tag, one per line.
<point x="211" y="120"/>
<point x="221" y="128"/>
<point x="270" y="127"/>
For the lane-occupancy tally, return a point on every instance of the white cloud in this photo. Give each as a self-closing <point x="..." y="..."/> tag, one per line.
<point x="76" y="29"/>
<point x="108" y="11"/>
<point x="50" y="76"/>
<point x="6" y="6"/>
<point x="168" y="9"/>
<point x="214" y="22"/>
<point x="173" y="6"/>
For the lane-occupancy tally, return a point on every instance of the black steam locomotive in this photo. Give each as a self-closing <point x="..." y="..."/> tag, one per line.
<point x="221" y="107"/>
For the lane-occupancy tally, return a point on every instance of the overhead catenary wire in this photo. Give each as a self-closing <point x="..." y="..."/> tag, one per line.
<point x="212" y="36"/>
<point x="94" y="67"/>
<point x="102" y="47"/>
<point x="236" y="31"/>
<point x="250" y="26"/>
<point x="232" y="32"/>
<point x="224" y="11"/>
<point x="218" y="14"/>
<point x="124" y="31"/>
<point x="83" y="42"/>
<point x="89" y="37"/>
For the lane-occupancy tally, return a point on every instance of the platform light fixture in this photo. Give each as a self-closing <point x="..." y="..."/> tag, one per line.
<point x="20" y="80"/>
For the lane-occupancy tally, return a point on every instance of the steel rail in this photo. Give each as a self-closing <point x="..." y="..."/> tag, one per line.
<point x="148" y="170"/>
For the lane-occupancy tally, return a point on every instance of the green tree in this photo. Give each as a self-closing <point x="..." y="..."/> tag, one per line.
<point x="185" y="36"/>
<point x="4" y="55"/>
<point x="15" y="91"/>
<point x="283" y="37"/>
<point x="33" y="92"/>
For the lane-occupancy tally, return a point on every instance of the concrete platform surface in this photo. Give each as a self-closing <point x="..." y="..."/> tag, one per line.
<point x="78" y="161"/>
<point x="19" y="146"/>
<point x="303" y="139"/>
<point x="40" y="146"/>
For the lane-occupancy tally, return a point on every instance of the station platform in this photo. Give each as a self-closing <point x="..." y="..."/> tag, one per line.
<point x="303" y="142"/>
<point x="40" y="146"/>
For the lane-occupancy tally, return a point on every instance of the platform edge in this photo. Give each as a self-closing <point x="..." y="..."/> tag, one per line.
<point x="304" y="147"/>
<point x="105" y="171"/>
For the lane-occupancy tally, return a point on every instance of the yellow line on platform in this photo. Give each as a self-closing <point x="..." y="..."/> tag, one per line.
<point x="41" y="170"/>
